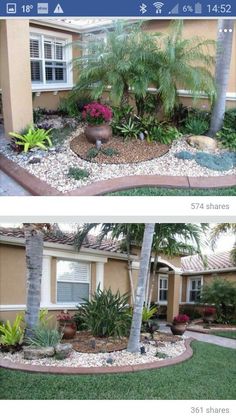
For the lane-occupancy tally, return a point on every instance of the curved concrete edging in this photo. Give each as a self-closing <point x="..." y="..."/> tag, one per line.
<point x="40" y="188"/>
<point x="100" y="370"/>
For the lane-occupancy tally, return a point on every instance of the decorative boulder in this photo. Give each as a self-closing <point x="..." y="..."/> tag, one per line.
<point x="38" y="353"/>
<point x="63" y="350"/>
<point x="202" y="142"/>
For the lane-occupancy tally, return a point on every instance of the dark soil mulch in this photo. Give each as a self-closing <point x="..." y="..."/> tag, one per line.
<point x="129" y="151"/>
<point x="85" y="342"/>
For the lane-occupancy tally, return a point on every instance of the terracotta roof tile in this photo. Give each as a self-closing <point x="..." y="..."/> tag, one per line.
<point x="213" y="262"/>
<point x="90" y="242"/>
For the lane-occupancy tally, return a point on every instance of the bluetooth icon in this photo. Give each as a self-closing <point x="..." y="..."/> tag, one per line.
<point x="143" y="8"/>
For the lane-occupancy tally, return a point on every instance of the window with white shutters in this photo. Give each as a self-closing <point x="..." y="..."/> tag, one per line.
<point x="49" y="61"/>
<point x="73" y="281"/>
<point x="163" y="288"/>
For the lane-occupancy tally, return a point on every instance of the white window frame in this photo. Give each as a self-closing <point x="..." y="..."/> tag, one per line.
<point x="160" y="277"/>
<point x="189" y="288"/>
<point x="70" y="303"/>
<point x="43" y="36"/>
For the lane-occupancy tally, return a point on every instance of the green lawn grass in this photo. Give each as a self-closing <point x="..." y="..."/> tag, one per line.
<point x="149" y="191"/>
<point x="226" y="334"/>
<point x="209" y="374"/>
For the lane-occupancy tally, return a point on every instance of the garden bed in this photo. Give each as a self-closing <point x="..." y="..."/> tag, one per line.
<point x="53" y="166"/>
<point x="124" y="151"/>
<point x="155" y="352"/>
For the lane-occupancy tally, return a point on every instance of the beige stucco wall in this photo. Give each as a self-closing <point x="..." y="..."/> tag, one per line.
<point x="116" y="275"/>
<point x="12" y="275"/>
<point x="207" y="279"/>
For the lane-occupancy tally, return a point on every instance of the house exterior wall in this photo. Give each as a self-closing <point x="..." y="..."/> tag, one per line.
<point x="12" y="275"/>
<point x="116" y="273"/>
<point x="207" y="279"/>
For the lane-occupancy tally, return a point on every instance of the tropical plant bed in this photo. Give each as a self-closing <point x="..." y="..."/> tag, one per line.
<point x="53" y="166"/>
<point x="118" y="150"/>
<point x="154" y="351"/>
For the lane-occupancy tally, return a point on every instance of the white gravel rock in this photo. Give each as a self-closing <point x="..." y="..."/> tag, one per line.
<point x="120" y="358"/>
<point x="54" y="167"/>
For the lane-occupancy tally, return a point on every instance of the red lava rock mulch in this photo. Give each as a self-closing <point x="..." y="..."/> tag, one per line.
<point x="85" y="342"/>
<point x="129" y="151"/>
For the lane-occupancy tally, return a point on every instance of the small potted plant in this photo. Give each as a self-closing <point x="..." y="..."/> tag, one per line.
<point x="209" y="314"/>
<point x="98" y="117"/>
<point x="179" y="324"/>
<point x="67" y="324"/>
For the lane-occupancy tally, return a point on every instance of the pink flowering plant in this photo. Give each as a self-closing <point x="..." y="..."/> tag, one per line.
<point x="209" y="311"/>
<point x="180" y="319"/>
<point x="64" y="316"/>
<point x="96" y="114"/>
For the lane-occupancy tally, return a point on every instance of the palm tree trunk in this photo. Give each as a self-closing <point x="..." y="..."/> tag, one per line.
<point x="125" y="96"/>
<point x="134" y="338"/>
<point x="131" y="281"/>
<point x="153" y="280"/>
<point x="223" y="59"/>
<point x="34" y="262"/>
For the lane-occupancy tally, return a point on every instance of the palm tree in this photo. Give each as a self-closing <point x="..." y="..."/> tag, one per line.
<point x="34" y="234"/>
<point x="222" y="70"/>
<point x="134" y="338"/>
<point x="119" y="62"/>
<point x="126" y="233"/>
<point x="132" y="59"/>
<point x="183" y="63"/>
<point x="219" y="230"/>
<point x="174" y="240"/>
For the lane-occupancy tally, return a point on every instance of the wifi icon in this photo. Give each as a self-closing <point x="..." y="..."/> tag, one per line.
<point x="158" y="5"/>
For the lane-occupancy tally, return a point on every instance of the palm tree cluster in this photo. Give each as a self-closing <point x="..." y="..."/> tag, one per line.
<point x="131" y="59"/>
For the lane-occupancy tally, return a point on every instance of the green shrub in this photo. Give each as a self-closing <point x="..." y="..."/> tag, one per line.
<point x="11" y="335"/>
<point x="43" y="337"/>
<point x="147" y="314"/>
<point x="129" y="130"/>
<point x="92" y="153"/>
<point x="110" y="152"/>
<point x="192" y="312"/>
<point x="39" y="114"/>
<point x="73" y="104"/>
<point x="230" y="119"/>
<point x="77" y="173"/>
<point x="107" y="314"/>
<point x="227" y="137"/>
<point x="120" y="116"/>
<point x="222" y="294"/>
<point x="163" y="134"/>
<point x="44" y="317"/>
<point x="196" y="125"/>
<point x="35" y="137"/>
<point x="161" y="355"/>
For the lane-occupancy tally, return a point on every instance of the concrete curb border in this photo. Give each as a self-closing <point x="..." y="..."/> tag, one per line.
<point x="100" y="370"/>
<point x="38" y="187"/>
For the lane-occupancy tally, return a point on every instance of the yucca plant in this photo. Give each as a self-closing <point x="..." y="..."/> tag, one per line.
<point x="106" y="315"/>
<point x="11" y="335"/>
<point x="43" y="336"/>
<point x="34" y="137"/>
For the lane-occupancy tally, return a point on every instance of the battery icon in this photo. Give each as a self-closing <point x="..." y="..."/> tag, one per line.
<point x="198" y="8"/>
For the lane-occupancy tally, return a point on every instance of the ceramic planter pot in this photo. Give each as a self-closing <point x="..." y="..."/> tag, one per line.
<point x="68" y="329"/>
<point x="178" y="328"/>
<point x="98" y="132"/>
